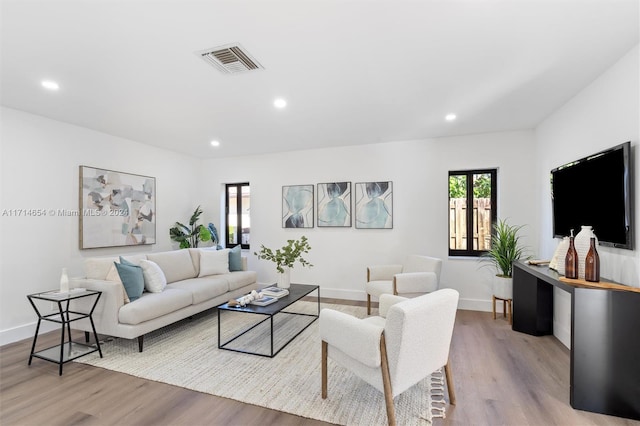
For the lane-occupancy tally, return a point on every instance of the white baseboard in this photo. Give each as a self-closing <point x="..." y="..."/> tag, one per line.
<point x="466" y="304"/>
<point x="25" y="331"/>
<point x="561" y="333"/>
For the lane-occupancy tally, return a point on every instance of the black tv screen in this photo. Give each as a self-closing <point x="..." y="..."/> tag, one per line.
<point x="595" y="191"/>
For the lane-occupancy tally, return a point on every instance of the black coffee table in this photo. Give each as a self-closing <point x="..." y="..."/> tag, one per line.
<point x="248" y="336"/>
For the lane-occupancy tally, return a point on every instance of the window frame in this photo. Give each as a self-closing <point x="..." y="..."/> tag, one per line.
<point x="238" y="210"/>
<point x="469" y="251"/>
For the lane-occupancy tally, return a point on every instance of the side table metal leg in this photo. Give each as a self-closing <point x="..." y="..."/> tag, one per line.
<point x="95" y="336"/>
<point x="60" y="361"/>
<point x="35" y="339"/>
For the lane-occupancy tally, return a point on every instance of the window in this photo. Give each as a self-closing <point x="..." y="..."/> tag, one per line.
<point x="238" y="224"/>
<point x="472" y="211"/>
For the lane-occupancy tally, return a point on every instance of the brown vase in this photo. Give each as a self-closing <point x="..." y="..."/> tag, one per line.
<point x="571" y="260"/>
<point x="592" y="263"/>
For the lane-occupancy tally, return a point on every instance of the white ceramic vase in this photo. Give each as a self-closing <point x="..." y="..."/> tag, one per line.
<point x="64" y="281"/>
<point x="582" y="243"/>
<point x="557" y="262"/>
<point x="503" y="287"/>
<point x="284" y="278"/>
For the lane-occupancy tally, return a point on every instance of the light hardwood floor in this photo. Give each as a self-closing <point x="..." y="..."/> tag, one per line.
<point x="501" y="378"/>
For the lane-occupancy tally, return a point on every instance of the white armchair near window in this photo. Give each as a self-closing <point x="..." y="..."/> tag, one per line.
<point x="418" y="275"/>
<point x="393" y="352"/>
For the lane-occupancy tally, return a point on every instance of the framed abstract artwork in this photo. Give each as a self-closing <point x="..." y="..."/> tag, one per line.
<point x="334" y="204"/>
<point x="374" y="205"/>
<point x="116" y="208"/>
<point x="297" y="206"/>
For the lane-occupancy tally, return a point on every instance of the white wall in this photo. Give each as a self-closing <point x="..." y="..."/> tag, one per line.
<point x="39" y="170"/>
<point x="419" y="171"/>
<point x="604" y="114"/>
<point x="39" y="161"/>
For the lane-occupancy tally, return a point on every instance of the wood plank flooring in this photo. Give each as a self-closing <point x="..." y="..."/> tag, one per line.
<point x="501" y="378"/>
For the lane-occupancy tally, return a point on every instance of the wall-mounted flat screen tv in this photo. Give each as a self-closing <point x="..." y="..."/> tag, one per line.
<point x="596" y="190"/>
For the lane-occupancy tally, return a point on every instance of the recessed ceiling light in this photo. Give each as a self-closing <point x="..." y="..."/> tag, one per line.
<point x="450" y="117"/>
<point x="51" y="85"/>
<point x="279" y="103"/>
<point x="215" y="143"/>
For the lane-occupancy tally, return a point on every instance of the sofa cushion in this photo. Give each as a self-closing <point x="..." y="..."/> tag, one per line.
<point x="214" y="262"/>
<point x="238" y="279"/>
<point x="154" y="279"/>
<point x="113" y="275"/>
<point x="203" y="289"/>
<point x="235" y="258"/>
<point x="97" y="268"/>
<point x="175" y="264"/>
<point x="132" y="279"/>
<point x="154" y="305"/>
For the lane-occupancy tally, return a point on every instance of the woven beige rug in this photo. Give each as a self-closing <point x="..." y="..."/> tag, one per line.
<point x="186" y="354"/>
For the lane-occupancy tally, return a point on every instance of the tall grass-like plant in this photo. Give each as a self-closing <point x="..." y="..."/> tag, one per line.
<point x="505" y="247"/>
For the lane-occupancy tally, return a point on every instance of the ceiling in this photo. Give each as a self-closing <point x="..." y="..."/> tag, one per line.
<point x="352" y="71"/>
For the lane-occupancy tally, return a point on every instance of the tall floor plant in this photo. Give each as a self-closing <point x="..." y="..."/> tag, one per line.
<point x="505" y="247"/>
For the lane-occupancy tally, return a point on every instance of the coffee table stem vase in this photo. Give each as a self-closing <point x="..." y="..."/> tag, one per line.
<point x="284" y="278"/>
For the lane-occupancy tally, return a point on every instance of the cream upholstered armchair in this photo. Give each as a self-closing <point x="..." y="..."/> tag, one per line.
<point x="393" y="352"/>
<point x="418" y="275"/>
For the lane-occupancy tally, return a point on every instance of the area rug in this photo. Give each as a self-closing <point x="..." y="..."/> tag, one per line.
<point x="186" y="354"/>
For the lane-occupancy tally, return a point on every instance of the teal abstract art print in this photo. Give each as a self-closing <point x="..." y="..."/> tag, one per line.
<point x="297" y="206"/>
<point x="334" y="204"/>
<point x="374" y="205"/>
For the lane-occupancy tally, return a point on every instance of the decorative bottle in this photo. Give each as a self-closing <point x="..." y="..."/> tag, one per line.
<point x="571" y="260"/>
<point x="592" y="263"/>
<point x="64" y="281"/>
<point x="582" y="244"/>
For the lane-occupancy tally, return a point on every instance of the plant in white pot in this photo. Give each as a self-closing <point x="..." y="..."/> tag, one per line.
<point x="505" y="249"/>
<point x="285" y="257"/>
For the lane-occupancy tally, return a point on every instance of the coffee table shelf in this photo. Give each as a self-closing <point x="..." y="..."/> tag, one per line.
<point x="276" y="330"/>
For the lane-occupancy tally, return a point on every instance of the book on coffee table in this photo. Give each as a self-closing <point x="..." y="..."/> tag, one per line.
<point x="264" y="301"/>
<point x="275" y="292"/>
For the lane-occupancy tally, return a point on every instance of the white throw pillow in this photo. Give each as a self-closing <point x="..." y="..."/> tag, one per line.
<point x="213" y="262"/>
<point x="154" y="279"/>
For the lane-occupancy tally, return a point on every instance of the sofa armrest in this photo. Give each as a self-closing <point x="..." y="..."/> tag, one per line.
<point x="358" y="339"/>
<point x="382" y="272"/>
<point x="105" y="316"/>
<point x="415" y="282"/>
<point x="244" y="263"/>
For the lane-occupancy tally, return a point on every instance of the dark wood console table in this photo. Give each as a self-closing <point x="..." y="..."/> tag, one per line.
<point x="605" y="337"/>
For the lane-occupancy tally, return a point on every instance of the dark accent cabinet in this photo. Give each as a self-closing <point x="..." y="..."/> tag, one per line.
<point x="605" y="338"/>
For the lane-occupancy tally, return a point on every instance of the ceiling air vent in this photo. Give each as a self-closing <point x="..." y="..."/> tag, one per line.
<point x="230" y="59"/>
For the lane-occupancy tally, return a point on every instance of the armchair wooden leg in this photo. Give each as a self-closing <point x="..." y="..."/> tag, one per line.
<point x="324" y="369"/>
<point x="368" y="304"/>
<point x="449" y="377"/>
<point x="386" y="382"/>
<point x="494" y="306"/>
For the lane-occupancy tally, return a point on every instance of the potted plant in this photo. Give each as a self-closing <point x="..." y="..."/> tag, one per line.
<point x="190" y="236"/>
<point x="505" y="249"/>
<point x="285" y="257"/>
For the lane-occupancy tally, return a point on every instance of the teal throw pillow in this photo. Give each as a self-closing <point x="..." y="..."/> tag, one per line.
<point x="132" y="279"/>
<point x="235" y="259"/>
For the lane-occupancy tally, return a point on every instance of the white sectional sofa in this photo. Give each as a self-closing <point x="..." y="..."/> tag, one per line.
<point x="190" y="289"/>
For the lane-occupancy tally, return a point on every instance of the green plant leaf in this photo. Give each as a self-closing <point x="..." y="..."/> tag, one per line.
<point x="288" y="255"/>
